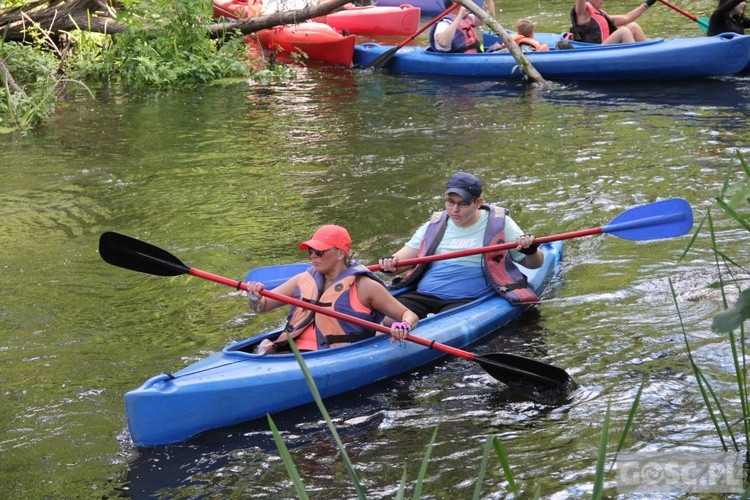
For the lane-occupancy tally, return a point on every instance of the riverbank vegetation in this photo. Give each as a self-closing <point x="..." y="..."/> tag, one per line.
<point x="143" y="46"/>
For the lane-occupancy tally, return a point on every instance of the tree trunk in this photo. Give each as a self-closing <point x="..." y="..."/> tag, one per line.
<point x="56" y="17"/>
<point x="528" y="70"/>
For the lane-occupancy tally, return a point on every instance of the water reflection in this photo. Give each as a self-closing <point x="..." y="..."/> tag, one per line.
<point x="229" y="178"/>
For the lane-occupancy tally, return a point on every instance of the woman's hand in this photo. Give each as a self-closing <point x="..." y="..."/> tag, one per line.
<point x="255" y="299"/>
<point x="253" y="291"/>
<point x="399" y="330"/>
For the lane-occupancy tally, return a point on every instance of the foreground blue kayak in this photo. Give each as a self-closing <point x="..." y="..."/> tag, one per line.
<point x="234" y="385"/>
<point x="657" y="59"/>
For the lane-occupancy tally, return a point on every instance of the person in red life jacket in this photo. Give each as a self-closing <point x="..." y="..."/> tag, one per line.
<point x="466" y="222"/>
<point x="591" y="24"/>
<point x="524" y="38"/>
<point x="456" y="32"/>
<point x="335" y="282"/>
<point x="729" y="17"/>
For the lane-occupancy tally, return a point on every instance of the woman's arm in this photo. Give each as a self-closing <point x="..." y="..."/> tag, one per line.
<point x="376" y="297"/>
<point x="259" y="303"/>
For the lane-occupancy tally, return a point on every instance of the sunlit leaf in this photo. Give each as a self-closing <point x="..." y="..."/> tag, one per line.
<point x="732" y="318"/>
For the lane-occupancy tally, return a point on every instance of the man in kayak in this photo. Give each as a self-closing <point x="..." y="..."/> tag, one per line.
<point x="729" y="17"/>
<point x="332" y="281"/>
<point x="465" y="223"/>
<point x="591" y="24"/>
<point x="456" y="32"/>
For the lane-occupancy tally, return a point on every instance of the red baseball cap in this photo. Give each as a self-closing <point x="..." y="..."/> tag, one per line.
<point x="329" y="236"/>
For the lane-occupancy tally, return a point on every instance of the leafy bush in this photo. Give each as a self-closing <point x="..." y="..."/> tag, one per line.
<point x="166" y="46"/>
<point x="29" y="85"/>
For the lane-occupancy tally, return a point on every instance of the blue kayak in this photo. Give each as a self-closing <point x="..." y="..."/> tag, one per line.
<point x="235" y="385"/>
<point x="657" y="59"/>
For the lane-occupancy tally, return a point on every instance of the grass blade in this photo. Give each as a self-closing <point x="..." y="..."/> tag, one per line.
<point x="423" y="469"/>
<point x="286" y="457"/>
<point x="482" y="469"/>
<point x="329" y="422"/>
<point x="601" y="458"/>
<point x="505" y="465"/>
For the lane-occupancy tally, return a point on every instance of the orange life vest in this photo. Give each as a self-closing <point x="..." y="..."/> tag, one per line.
<point x="320" y="331"/>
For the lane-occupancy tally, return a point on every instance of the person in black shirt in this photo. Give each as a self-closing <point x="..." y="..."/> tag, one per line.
<point x="729" y="17"/>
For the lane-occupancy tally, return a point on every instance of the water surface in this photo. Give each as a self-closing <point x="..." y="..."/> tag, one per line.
<point x="232" y="177"/>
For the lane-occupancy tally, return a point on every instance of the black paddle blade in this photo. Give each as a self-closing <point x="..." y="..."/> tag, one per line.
<point x="517" y="370"/>
<point x="382" y="59"/>
<point x="136" y="255"/>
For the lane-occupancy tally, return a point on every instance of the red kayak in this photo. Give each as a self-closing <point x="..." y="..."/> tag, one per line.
<point x="319" y="41"/>
<point x="374" y="20"/>
<point x="365" y="20"/>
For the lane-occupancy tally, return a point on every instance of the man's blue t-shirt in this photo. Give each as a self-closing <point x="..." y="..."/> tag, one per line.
<point x="461" y="277"/>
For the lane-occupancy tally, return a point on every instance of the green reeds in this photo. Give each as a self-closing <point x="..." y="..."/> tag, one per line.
<point x="731" y="321"/>
<point x="492" y="443"/>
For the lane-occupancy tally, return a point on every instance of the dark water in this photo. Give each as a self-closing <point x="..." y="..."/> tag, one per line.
<point x="232" y="177"/>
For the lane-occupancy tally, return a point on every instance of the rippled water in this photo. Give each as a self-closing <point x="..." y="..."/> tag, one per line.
<point x="229" y="178"/>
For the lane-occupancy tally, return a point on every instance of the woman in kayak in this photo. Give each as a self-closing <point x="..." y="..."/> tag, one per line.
<point x="456" y="32"/>
<point x="591" y="24"/>
<point x="332" y="281"/>
<point x="729" y="17"/>
<point x="465" y="223"/>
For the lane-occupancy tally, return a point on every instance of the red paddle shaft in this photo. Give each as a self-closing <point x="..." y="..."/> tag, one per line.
<point x="489" y="249"/>
<point x="423" y="28"/>
<point x="334" y="314"/>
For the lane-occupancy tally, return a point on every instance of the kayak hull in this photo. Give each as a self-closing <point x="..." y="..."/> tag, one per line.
<point x="318" y="41"/>
<point x="375" y="20"/>
<point x="234" y="385"/>
<point x="656" y="59"/>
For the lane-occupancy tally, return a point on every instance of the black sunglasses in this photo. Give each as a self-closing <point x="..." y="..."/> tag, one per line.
<point x="319" y="253"/>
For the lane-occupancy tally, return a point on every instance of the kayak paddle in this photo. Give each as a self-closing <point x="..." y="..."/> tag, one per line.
<point x="386" y="56"/>
<point x="130" y="253"/>
<point x="702" y="22"/>
<point x="661" y="219"/>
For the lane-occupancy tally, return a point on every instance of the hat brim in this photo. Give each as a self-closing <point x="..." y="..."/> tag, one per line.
<point x="315" y="245"/>
<point x="465" y="195"/>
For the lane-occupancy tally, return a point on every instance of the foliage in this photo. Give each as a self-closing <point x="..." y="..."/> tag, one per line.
<point x="731" y="321"/>
<point x="166" y="46"/>
<point x="33" y="96"/>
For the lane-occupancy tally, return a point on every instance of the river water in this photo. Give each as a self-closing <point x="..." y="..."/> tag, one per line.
<point x="234" y="176"/>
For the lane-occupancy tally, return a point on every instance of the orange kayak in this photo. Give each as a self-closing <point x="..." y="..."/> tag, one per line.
<point x="319" y="41"/>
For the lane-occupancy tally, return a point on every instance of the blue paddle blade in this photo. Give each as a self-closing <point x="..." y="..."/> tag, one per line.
<point x="273" y="276"/>
<point x="661" y="219"/>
